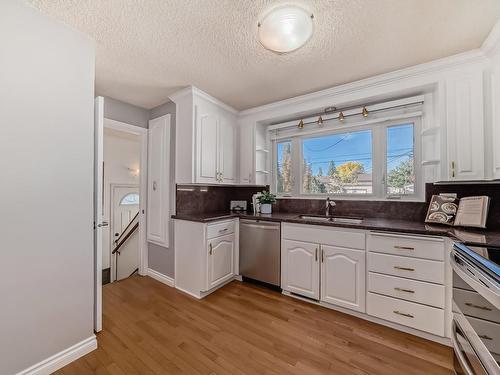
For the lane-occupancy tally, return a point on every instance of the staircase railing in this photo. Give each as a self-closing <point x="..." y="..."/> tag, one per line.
<point x="126" y="228"/>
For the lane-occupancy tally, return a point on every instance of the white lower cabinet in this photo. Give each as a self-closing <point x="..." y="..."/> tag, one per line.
<point x="206" y="255"/>
<point x="394" y="278"/>
<point x="343" y="277"/>
<point x="324" y="271"/>
<point x="300" y="268"/>
<point x="220" y="264"/>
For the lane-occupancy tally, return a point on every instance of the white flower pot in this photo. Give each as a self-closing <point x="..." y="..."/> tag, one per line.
<point x="265" y="208"/>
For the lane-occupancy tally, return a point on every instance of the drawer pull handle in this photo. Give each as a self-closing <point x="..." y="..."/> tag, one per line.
<point x="404" y="290"/>
<point x="316" y="255"/>
<point x="404" y="247"/>
<point x="210" y="247"/>
<point x="223" y="230"/>
<point x="486" y="308"/>
<point x="403" y="314"/>
<point x="484" y="337"/>
<point x="404" y="268"/>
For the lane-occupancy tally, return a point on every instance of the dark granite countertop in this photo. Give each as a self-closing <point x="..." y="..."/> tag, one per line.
<point x="467" y="236"/>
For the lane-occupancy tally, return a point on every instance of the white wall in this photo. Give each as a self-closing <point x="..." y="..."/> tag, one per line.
<point x="121" y="151"/>
<point x="46" y="144"/>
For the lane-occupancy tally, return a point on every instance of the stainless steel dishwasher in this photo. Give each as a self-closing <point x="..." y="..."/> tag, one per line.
<point x="260" y="251"/>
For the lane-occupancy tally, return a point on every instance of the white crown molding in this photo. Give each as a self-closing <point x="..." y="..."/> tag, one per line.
<point x="432" y="67"/>
<point x="191" y="90"/>
<point x="491" y="45"/>
<point x="61" y="359"/>
<point x="161" y="277"/>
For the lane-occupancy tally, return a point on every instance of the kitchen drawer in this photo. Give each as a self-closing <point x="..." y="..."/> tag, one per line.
<point x="488" y="332"/>
<point x="410" y="290"/>
<point x="473" y="304"/>
<point x="412" y="268"/>
<point x="220" y="229"/>
<point x="414" y="315"/>
<point x="352" y="239"/>
<point x="412" y="246"/>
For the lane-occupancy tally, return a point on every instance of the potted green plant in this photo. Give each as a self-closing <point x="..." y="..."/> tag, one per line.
<point x="266" y="199"/>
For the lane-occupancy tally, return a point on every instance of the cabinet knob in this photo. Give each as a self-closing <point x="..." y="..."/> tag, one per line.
<point x="154" y="185"/>
<point x="210" y="249"/>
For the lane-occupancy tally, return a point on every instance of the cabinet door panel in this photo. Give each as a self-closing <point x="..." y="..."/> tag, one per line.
<point x="220" y="260"/>
<point x="343" y="277"/>
<point x="158" y="180"/>
<point x="207" y="124"/>
<point x="300" y="268"/>
<point x="465" y="126"/>
<point x="227" y="150"/>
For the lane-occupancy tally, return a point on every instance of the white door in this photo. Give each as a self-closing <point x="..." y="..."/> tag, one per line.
<point x="343" y="277"/>
<point x="207" y="140"/>
<point x="98" y="208"/>
<point x="227" y="150"/>
<point x="220" y="262"/>
<point x="125" y="207"/>
<point x="300" y="268"/>
<point x="158" y="202"/>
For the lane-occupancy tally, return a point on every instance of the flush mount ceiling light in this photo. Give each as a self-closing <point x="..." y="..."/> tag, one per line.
<point x="285" y="29"/>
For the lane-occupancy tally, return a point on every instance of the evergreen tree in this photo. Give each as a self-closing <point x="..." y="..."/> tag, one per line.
<point x="402" y="176"/>
<point x="307" y="178"/>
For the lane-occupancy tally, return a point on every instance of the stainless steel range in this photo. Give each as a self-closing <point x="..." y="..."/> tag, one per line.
<point x="476" y="309"/>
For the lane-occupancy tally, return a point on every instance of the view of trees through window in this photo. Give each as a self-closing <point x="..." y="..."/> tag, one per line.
<point x="400" y="160"/>
<point x="343" y="163"/>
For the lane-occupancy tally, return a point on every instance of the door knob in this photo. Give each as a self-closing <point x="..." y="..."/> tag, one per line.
<point x="103" y="224"/>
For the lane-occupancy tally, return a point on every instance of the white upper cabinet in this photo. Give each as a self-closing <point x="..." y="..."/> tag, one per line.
<point x="206" y="134"/>
<point x="465" y="126"/>
<point x="158" y="180"/>
<point x="494" y="145"/>
<point x="207" y="143"/>
<point x="227" y="149"/>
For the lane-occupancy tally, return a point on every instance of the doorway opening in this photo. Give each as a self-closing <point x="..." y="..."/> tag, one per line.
<point x="121" y="207"/>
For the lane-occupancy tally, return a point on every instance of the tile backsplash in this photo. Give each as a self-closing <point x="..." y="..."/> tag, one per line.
<point x="196" y="198"/>
<point x="192" y="199"/>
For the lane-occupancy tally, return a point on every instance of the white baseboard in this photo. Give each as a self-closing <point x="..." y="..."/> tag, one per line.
<point x="61" y="359"/>
<point x="161" y="277"/>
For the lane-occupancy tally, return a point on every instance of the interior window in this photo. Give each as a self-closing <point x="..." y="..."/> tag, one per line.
<point x="400" y="173"/>
<point x="284" y="179"/>
<point x="338" y="163"/>
<point x="130" y="199"/>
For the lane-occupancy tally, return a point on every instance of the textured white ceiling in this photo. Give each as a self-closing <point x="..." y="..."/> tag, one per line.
<point x="148" y="49"/>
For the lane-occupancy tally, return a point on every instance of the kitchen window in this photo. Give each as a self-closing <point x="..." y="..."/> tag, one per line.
<point x="376" y="161"/>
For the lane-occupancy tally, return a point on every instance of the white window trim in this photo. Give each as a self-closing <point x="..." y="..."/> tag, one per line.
<point x="379" y="167"/>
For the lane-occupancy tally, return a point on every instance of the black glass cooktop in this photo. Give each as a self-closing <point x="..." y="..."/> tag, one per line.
<point x="487" y="258"/>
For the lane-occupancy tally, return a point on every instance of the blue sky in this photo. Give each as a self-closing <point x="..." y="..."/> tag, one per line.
<point x="356" y="146"/>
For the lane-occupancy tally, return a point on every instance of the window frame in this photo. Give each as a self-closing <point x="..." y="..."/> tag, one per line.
<point x="379" y="162"/>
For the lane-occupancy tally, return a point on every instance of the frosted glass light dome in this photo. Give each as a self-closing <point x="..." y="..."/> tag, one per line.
<point x="285" y="29"/>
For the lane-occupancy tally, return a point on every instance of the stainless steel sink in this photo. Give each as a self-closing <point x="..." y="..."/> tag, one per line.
<point x="333" y="219"/>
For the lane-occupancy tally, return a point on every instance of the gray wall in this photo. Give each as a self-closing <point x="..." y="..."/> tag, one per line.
<point x="124" y="112"/>
<point x="161" y="259"/>
<point x="46" y="139"/>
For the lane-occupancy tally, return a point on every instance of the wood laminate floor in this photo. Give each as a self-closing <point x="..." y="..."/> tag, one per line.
<point x="150" y="328"/>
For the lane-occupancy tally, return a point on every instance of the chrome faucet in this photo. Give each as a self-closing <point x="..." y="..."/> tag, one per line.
<point x="330" y="204"/>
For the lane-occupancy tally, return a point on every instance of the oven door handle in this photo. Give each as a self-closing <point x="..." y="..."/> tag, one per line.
<point x="460" y="356"/>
